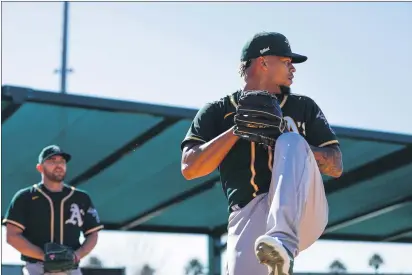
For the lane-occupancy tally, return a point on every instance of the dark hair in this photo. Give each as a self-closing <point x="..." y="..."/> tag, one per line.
<point x="244" y="66"/>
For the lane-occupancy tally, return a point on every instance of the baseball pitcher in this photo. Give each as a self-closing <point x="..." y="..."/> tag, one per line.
<point x="270" y="147"/>
<point x="44" y="221"/>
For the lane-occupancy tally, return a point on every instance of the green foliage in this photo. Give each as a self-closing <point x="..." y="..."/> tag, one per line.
<point x="94" y="262"/>
<point x="376" y="262"/>
<point x="337" y="267"/>
<point x="195" y="267"/>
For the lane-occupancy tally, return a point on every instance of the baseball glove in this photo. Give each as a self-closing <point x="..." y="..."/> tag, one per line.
<point x="59" y="258"/>
<point x="259" y="118"/>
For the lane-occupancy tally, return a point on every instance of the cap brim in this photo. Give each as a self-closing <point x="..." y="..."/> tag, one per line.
<point x="297" y="58"/>
<point x="66" y="156"/>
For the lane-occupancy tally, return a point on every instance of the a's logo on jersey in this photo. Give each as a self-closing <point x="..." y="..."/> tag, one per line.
<point x="296" y="127"/>
<point x="291" y="124"/>
<point x="76" y="215"/>
<point x="302" y="127"/>
<point x="94" y="213"/>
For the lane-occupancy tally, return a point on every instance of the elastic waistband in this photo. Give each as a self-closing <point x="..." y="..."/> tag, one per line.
<point x="241" y="205"/>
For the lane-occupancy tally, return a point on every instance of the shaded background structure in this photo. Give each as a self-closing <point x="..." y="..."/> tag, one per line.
<point x="125" y="150"/>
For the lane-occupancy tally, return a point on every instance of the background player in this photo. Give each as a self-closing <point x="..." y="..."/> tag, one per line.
<point x="276" y="199"/>
<point x="51" y="212"/>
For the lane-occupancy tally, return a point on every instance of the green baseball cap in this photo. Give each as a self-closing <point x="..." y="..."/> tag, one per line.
<point x="269" y="43"/>
<point x="53" y="150"/>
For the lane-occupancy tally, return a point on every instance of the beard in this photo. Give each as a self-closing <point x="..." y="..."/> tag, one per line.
<point x="54" y="176"/>
<point x="285" y="90"/>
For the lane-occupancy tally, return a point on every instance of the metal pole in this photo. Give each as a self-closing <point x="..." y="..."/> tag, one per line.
<point x="63" y="73"/>
<point x="64" y="69"/>
<point x="215" y="256"/>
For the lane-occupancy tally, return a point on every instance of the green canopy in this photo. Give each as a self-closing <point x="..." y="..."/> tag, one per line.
<point x="126" y="155"/>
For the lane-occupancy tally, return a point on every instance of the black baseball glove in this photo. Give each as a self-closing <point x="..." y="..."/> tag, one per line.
<point x="259" y="118"/>
<point x="59" y="258"/>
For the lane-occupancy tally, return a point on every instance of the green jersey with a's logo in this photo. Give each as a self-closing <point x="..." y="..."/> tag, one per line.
<point x="58" y="217"/>
<point x="246" y="170"/>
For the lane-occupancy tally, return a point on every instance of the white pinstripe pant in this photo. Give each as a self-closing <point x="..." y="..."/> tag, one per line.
<point x="37" y="269"/>
<point x="295" y="209"/>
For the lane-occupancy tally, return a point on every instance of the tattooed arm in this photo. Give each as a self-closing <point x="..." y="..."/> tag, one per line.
<point x="329" y="159"/>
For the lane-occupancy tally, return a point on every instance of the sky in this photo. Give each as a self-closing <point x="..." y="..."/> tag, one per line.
<point x="186" y="54"/>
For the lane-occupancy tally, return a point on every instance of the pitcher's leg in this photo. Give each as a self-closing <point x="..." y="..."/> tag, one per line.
<point x="316" y="213"/>
<point x="37" y="269"/>
<point x="75" y="272"/>
<point x="291" y="176"/>
<point x="33" y="269"/>
<point x="244" y="226"/>
<point x="293" y="171"/>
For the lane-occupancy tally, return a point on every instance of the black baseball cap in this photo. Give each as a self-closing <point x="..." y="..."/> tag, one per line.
<point x="53" y="150"/>
<point x="269" y="43"/>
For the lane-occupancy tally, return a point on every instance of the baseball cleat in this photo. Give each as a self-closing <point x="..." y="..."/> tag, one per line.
<point x="271" y="252"/>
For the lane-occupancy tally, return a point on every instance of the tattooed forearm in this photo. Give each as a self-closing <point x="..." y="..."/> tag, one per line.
<point x="329" y="160"/>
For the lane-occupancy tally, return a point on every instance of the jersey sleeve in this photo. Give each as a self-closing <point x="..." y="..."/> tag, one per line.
<point x="92" y="221"/>
<point x="205" y="125"/>
<point x="318" y="131"/>
<point x="16" y="212"/>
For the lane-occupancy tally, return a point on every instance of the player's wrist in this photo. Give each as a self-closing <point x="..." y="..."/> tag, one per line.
<point x="39" y="253"/>
<point x="77" y="256"/>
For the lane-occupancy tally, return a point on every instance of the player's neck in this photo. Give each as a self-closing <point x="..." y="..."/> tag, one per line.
<point x="53" y="186"/>
<point x="259" y="86"/>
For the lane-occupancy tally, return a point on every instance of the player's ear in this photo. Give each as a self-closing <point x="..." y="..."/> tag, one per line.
<point x="263" y="64"/>
<point x="39" y="168"/>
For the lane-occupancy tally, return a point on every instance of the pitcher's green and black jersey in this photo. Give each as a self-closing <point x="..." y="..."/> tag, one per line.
<point x="246" y="170"/>
<point x="58" y="217"/>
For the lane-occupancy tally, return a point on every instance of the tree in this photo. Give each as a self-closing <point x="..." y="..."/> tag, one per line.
<point x="94" y="262"/>
<point x="147" y="270"/>
<point x="194" y="267"/>
<point x="337" y="267"/>
<point x="375" y="262"/>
